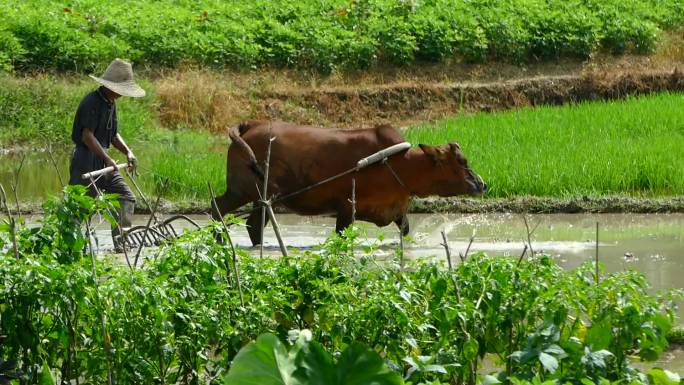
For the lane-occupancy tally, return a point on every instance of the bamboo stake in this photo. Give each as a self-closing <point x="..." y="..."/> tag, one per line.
<point x="265" y="196"/>
<point x="446" y="248"/>
<point x="230" y="242"/>
<point x="276" y="229"/>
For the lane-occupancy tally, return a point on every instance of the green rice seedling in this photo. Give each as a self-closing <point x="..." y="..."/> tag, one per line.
<point x="620" y="147"/>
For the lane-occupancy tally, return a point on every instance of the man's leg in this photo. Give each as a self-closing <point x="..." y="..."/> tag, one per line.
<point x="123" y="216"/>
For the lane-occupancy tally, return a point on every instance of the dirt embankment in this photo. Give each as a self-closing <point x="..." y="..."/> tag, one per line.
<point x="425" y="102"/>
<point x="530" y="204"/>
<point x="206" y="99"/>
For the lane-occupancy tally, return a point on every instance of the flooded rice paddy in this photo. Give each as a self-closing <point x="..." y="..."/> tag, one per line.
<point x="650" y="243"/>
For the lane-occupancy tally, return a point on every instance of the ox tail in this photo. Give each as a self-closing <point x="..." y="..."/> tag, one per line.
<point x="235" y="135"/>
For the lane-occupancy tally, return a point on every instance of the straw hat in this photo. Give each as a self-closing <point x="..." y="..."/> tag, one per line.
<point x="118" y="77"/>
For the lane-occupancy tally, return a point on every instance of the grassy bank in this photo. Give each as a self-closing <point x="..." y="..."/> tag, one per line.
<point x="323" y="35"/>
<point x="631" y="147"/>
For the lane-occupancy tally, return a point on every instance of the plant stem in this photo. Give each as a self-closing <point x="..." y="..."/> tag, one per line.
<point x="232" y="246"/>
<point x="103" y="315"/>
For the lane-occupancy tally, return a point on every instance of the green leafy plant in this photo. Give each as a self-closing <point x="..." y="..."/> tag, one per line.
<point x="268" y="362"/>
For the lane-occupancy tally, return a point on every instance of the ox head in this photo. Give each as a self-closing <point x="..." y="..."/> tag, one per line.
<point x="452" y="176"/>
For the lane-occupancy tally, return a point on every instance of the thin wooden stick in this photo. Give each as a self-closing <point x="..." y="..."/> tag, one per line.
<point x="401" y="243"/>
<point x="530" y="232"/>
<point x="12" y="222"/>
<point x="232" y="247"/>
<point x="54" y="164"/>
<point x="353" y="201"/>
<point x="446" y="248"/>
<point x="122" y="234"/>
<point x="265" y="196"/>
<point x="353" y="213"/>
<point x="465" y="256"/>
<point x="144" y="198"/>
<point x="103" y="317"/>
<point x="15" y="185"/>
<point x="276" y="229"/>
<point x="522" y="256"/>
<point x="149" y="221"/>
<point x="597" y="253"/>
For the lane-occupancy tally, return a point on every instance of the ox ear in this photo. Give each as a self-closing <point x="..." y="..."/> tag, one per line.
<point x="454" y="146"/>
<point x="431" y="151"/>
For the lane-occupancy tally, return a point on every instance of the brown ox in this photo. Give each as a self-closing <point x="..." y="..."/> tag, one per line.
<point x="303" y="155"/>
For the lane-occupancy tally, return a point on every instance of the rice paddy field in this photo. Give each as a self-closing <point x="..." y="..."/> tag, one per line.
<point x="633" y="146"/>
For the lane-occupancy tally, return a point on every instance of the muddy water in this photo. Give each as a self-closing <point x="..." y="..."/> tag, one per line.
<point x="650" y="243"/>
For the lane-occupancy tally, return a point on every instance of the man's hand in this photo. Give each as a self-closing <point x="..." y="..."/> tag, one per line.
<point x="109" y="162"/>
<point x="132" y="162"/>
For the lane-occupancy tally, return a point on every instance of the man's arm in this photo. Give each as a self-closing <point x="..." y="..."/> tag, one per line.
<point x="120" y="145"/>
<point x="94" y="146"/>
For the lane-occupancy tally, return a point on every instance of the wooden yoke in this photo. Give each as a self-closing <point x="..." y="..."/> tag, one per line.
<point x="382" y="154"/>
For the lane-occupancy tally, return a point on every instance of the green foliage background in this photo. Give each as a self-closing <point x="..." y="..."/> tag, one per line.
<point x="323" y="35"/>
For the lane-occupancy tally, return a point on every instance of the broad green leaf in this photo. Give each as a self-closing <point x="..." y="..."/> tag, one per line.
<point x="600" y="335"/>
<point x="549" y="362"/>
<point x="663" y="377"/>
<point x="315" y="365"/>
<point x="264" y="362"/>
<point x="360" y="365"/>
<point x="46" y="376"/>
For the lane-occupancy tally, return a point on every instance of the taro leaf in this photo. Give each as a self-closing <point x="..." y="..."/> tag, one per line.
<point x="315" y="365"/>
<point x="360" y="365"/>
<point x="46" y="376"/>
<point x="264" y="362"/>
<point x="663" y="377"/>
<point x="549" y="362"/>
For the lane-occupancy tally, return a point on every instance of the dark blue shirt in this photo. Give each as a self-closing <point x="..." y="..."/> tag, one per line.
<point x="97" y="114"/>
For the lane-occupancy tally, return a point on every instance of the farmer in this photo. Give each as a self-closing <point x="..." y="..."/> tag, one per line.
<point x="95" y="129"/>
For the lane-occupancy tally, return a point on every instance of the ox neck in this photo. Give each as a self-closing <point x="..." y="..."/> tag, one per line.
<point x="415" y="170"/>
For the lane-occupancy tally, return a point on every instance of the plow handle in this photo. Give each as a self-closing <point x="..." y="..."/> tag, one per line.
<point x="95" y="174"/>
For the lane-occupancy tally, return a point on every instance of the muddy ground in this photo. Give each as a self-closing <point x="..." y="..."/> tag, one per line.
<point x="532" y="205"/>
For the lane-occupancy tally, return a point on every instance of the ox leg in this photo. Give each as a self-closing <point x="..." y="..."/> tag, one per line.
<point x="403" y="224"/>
<point x="344" y="219"/>
<point x="227" y="202"/>
<point x="254" y="227"/>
